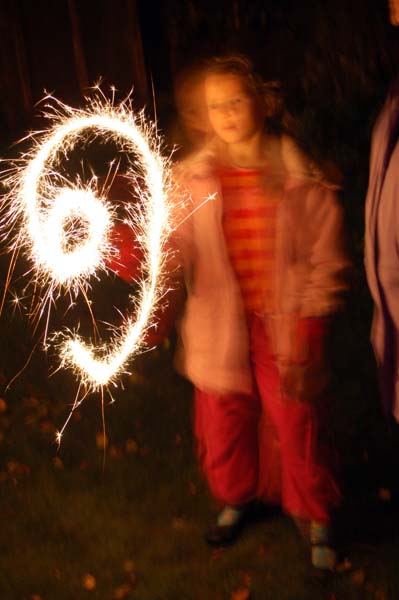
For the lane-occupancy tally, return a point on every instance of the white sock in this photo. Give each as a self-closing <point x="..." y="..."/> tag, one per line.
<point x="230" y="515"/>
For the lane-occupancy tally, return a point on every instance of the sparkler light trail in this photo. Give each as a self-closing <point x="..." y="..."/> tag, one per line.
<point x="65" y="229"/>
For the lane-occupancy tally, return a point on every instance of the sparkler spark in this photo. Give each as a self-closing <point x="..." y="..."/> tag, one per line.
<point x="65" y="228"/>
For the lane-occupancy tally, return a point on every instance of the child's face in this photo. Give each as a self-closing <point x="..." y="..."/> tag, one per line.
<point x="394" y="12"/>
<point x="233" y="113"/>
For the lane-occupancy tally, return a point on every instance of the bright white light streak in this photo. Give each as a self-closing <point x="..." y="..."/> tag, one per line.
<point x="50" y="241"/>
<point x="46" y="209"/>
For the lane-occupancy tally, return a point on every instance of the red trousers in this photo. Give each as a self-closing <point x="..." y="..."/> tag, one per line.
<point x="242" y="458"/>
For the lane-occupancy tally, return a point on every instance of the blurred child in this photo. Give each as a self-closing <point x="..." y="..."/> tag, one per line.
<point x="191" y="128"/>
<point x="264" y="272"/>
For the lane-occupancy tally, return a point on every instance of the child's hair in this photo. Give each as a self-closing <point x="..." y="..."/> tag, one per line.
<point x="268" y="93"/>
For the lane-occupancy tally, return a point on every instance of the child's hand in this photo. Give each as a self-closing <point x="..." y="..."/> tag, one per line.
<point x="304" y="374"/>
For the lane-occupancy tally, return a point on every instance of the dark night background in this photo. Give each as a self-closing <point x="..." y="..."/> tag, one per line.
<point x="335" y="60"/>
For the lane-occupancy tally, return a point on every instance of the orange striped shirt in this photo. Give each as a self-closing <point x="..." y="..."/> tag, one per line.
<point x="249" y="215"/>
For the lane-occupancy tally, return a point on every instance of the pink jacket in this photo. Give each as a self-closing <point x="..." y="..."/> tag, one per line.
<point x="309" y="275"/>
<point x="381" y="248"/>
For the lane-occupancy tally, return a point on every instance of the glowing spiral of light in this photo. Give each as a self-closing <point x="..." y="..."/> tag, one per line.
<point x="48" y="239"/>
<point x="46" y="204"/>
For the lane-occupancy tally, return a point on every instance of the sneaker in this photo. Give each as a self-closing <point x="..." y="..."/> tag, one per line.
<point x="227" y="527"/>
<point x="323" y="554"/>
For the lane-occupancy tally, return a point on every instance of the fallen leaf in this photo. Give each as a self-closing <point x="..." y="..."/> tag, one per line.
<point x="47" y="427"/>
<point x="380" y="595"/>
<point x="178" y="523"/>
<point x="115" y="452"/>
<point x="3" y="405"/>
<point x="42" y="410"/>
<point x="31" y="402"/>
<point x="57" y="463"/>
<point x="35" y="597"/>
<point x="89" y="582"/>
<point x="30" y="420"/>
<point x="122" y="591"/>
<point x="241" y="594"/>
<point x="101" y="440"/>
<point x="217" y="553"/>
<point x="358" y="577"/>
<point x="245" y="578"/>
<point x="128" y="565"/>
<point x="262" y="550"/>
<point x="384" y="495"/>
<point x="343" y="566"/>
<point x="178" y="439"/>
<point x="12" y="466"/>
<point x="131" y="446"/>
<point x="23" y="470"/>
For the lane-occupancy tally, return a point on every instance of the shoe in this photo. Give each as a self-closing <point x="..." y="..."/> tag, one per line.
<point x="323" y="554"/>
<point x="219" y="536"/>
<point x="227" y="528"/>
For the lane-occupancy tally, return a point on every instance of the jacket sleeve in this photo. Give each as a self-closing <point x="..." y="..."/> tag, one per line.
<point x="324" y="238"/>
<point x="319" y="257"/>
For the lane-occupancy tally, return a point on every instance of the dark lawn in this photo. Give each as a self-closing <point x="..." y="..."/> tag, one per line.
<point x="133" y="527"/>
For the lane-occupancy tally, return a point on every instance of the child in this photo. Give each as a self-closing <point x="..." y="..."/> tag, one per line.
<point x="191" y="127"/>
<point x="264" y="271"/>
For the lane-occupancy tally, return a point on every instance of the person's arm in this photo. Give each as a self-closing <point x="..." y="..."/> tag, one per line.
<point x="321" y="249"/>
<point x="326" y="253"/>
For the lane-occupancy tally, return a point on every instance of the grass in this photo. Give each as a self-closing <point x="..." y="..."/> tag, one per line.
<point x="135" y="523"/>
<point x="128" y="522"/>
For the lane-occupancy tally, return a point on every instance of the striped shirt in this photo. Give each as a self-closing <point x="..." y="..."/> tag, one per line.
<point x="249" y="215"/>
